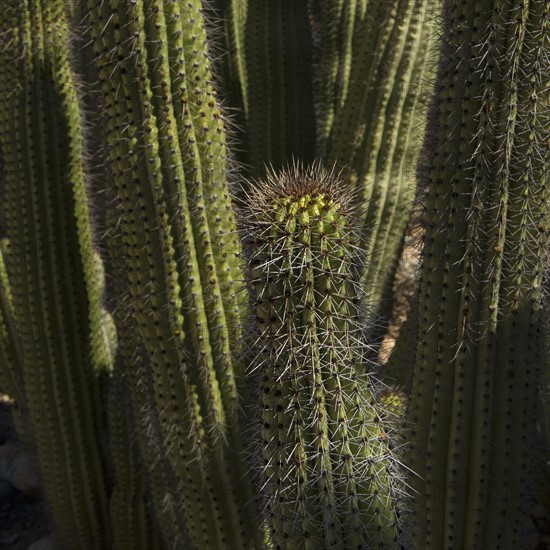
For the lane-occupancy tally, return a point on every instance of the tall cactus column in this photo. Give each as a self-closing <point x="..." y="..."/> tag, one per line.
<point x="324" y="467"/>
<point x="375" y="67"/>
<point x="267" y="67"/>
<point x="56" y="296"/>
<point x="179" y="246"/>
<point x="479" y="352"/>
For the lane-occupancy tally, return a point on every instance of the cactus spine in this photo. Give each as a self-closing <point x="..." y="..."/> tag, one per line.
<point x="479" y="345"/>
<point x="50" y="265"/>
<point x="325" y="468"/>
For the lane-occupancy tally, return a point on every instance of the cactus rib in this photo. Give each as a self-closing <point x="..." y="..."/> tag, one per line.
<point x="479" y="344"/>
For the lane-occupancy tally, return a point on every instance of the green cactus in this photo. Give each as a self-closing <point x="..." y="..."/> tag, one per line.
<point x="325" y="468"/>
<point x="180" y="248"/>
<point x="124" y="292"/>
<point x="56" y="298"/>
<point x="129" y="502"/>
<point x="11" y="363"/>
<point x="374" y="120"/>
<point x="267" y="69"/>
<point x="141" y="417"/>
<point x="479" y="355"/>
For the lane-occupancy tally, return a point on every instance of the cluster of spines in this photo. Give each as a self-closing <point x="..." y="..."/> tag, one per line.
<point x="478" y="352"/>
<point x="49" y="259"/>
<point x="167" y="150"/>
<point x="325" y="469"/>
<point x="350" y="96"/>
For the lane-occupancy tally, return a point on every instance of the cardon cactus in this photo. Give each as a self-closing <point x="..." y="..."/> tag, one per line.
<point x="325" y="468"/>
<point x="202" y="208"/>
<point x="476" y="381"/>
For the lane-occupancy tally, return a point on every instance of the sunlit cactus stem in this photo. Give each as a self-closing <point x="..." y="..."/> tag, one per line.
<point x="324" y="468"/>
<point x="178" y="251"/>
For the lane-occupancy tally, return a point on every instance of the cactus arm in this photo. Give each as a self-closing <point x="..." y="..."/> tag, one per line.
<point x="336" y="25"/>
<point x="452" y="392"/>
<point x="186" y="221"/>
<point x="373" y="120"/>
<point x="55" y="289"/>
<point x="11" y="359"/>
<point x="104" y="22"/>
<point x="487" y="353"/>
<point x="213" y="220"/>
<point x="273" y="52"/>
<point x="339" y="140"/>
<point x="131" y="526"/>
<point x="478" y="361"/>
<point x="164" y="488"/>
<point x="526" y="257"/>
<point x="105" y="42"/>
<point x="325" y="477"/>
<point x="399" y="153"/>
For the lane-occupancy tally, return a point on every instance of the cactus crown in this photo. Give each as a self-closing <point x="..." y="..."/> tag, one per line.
<point x="297" y="188"/>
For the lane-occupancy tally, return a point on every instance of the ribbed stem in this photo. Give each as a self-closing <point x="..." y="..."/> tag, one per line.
<point x="374" y="68"/>
<point x="11" y="373"/>
<point x="51" y="267"/>
<point x="130" y="516"/>
<point x="271" y="55"/>
<point x="473" y="408"/>
<point x="180" y="246"/>
<point x="169" y="498"/>
<point x="325" y="469"/>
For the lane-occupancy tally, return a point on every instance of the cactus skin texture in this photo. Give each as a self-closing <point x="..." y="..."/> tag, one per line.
<point x="134" y="387"/>
<point x="375" y="68"/>
<point x="479" y="352"/>
<point x="127" y="503"/>
<point x="325" y="469"/>
<point x="51" y="266"/>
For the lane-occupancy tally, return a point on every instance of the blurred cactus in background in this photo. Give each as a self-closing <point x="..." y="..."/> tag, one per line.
<point x="204" y="206"/>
